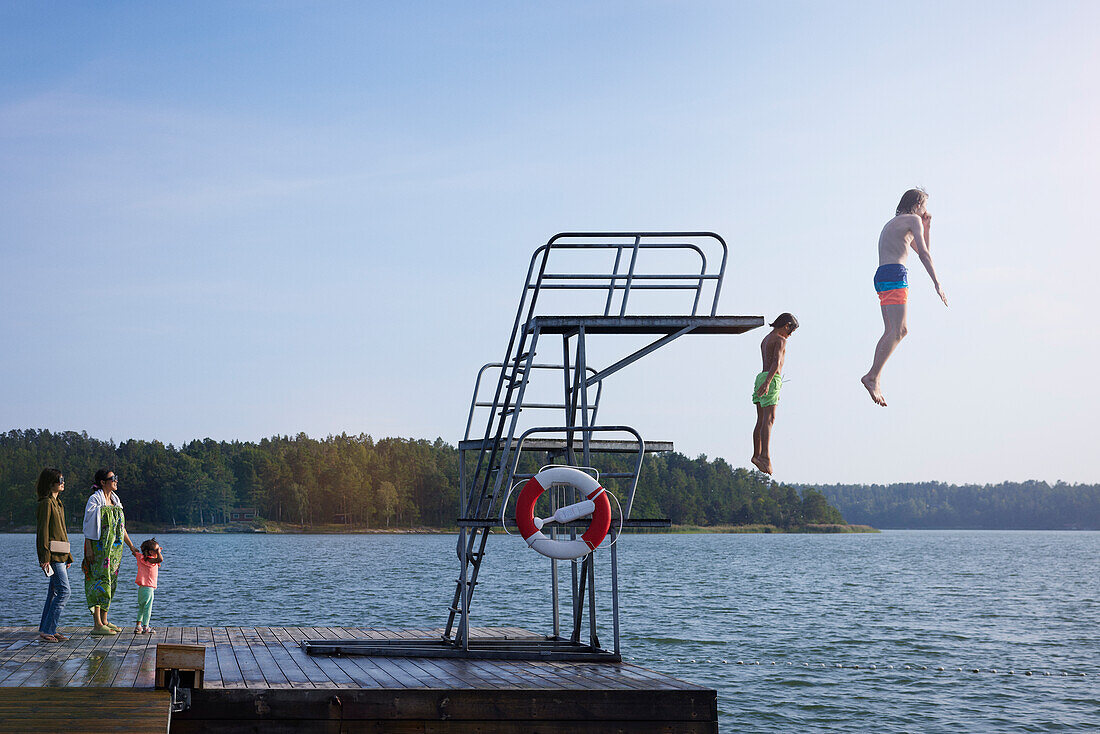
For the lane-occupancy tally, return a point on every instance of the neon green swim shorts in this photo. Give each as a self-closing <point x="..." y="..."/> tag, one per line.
<point x="771" y="397"/>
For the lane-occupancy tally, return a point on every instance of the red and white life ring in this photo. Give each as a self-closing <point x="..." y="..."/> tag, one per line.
<point x="595" y="503"/>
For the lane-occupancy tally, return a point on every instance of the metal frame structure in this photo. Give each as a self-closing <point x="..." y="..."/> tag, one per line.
<point x="500" y="444"/>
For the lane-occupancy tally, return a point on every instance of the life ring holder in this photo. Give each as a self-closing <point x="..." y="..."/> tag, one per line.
<point x="594" y="504"/>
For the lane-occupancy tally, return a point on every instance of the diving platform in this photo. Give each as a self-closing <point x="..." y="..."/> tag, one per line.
<point x="555" y="445"/>
<point x="645" y="324"/>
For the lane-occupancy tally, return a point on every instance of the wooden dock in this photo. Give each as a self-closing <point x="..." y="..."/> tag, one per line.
<point x="259" y="678"/>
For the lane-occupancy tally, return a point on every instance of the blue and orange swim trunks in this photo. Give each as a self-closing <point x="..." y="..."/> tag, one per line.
<point x="892" y="284"/>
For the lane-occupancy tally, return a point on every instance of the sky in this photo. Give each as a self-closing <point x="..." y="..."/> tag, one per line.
<point x="240" y="219"/>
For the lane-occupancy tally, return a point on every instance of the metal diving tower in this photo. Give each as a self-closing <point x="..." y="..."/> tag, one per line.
<point x="587" y="289"/>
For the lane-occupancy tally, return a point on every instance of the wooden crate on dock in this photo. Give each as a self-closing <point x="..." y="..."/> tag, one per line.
<point x="189" y="660"/>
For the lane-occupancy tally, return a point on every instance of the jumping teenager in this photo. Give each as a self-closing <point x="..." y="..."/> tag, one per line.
<point x="908" y="229"/>
<point x="765" y="393"/>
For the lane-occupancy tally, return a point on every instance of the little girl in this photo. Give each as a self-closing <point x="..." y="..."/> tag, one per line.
<point x="148" y="564"/>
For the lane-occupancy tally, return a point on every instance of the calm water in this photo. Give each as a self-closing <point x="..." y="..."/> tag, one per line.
<point x="693" y="606"/>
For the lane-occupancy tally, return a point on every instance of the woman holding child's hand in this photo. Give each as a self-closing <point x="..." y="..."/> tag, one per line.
<point x="104" y="536"/>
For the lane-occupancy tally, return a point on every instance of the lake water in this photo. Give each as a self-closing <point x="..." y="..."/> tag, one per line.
<point x="693" y="606"/>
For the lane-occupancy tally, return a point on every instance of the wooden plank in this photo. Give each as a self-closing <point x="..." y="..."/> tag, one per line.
<point x="146" y="674"/>
<point x="320" y="669"/>
<point x="583" y="675"/>
<point x="15" y="644"/>
<point x="380" y="670"/>
<point x="131" y="663"/>
<point x="488" y="673"/>
<point x="391" y="671"/>
<point x="533" y="676"/>
<point x="613" y="675"/>
<point x="366" y="672"/>
<point x="58" y="666"/>
<point x="227" y="661"/>
<point x="251" y="673"/>
<point x="83" y="710"/>
<point x="450" y="676"/>
<point x="652" y="678"/>
<point x="24" y="654"/>
<point x="9" y="635"/>
<point x="424" y="678"/>
<point x="212" y="676"/>
<point x="92" y="655"/>
<point x="113" y="654"/>
<point x="470" y="672"/>
<point x="287" y="665"/>
<point x="272" y="673"/>
<point x="27" y="662"/>
<point x="82" y="644"/>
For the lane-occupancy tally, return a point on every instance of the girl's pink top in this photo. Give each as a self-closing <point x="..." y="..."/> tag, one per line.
<point x="147" y="572"/>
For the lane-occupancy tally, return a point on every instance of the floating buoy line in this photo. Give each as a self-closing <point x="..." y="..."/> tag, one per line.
<point x="867" y="666"/>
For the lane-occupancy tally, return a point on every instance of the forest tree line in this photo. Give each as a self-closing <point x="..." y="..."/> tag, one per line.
<point x="391" y="482"/>
<point x="1005" y="506"/>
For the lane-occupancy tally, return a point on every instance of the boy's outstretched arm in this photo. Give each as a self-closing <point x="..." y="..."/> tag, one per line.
<point x="920" y="246"/>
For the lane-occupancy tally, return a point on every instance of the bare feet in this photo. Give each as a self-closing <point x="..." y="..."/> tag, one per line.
<point x="762" y="464"/>
<point x="872" y="387"/>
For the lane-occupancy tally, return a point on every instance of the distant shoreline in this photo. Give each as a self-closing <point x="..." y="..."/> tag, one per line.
<point x="277" y="528"/>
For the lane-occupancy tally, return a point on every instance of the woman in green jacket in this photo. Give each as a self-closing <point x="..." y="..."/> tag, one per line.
<point x="53" y="551"/>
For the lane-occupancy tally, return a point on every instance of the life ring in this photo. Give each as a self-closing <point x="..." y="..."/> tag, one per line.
<point x="595" y="503"/>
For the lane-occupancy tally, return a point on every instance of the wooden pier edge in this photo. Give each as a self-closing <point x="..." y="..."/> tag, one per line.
<point x="451" y="710"/>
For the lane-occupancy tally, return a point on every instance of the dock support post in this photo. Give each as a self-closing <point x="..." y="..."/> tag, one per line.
<point x="554" y="568"/>
<point x="594" y="640"/>
<point x="464" y="591"/>
<point x="615" y="590"/>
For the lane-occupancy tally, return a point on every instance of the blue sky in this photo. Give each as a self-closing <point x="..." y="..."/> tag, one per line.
<point x="238" y="219"/>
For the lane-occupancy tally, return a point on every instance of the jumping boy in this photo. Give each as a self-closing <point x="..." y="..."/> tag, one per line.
<point x="765" y="392"/>
<point x="909" y="228"/>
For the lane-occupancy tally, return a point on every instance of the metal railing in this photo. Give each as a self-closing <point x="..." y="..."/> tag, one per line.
<point x="626" y="281"/>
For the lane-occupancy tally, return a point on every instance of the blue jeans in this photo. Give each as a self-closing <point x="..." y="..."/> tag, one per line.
<point x="55" y="598"/>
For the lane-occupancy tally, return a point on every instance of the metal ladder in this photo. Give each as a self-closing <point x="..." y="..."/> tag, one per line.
<point x="493" y="457"/>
